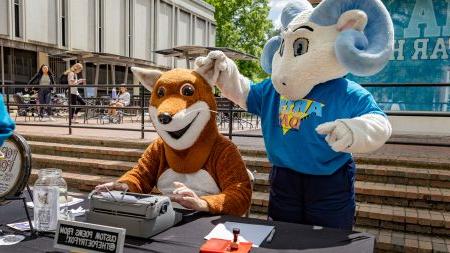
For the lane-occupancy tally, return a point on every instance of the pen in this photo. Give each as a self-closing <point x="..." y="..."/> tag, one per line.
<point x="123" y="194"/>
<point x="106" y="187"/>
<point x="269" y="238"/>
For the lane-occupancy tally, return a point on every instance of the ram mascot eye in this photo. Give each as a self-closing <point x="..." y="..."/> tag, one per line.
<point x="300" y="46"/>
<point x="282" y="48"/>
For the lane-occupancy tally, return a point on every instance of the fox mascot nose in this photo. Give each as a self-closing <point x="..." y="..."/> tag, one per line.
<point x="165" y="118"/>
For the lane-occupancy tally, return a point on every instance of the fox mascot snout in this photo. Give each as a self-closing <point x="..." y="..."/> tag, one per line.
<point x="191" y="161"/>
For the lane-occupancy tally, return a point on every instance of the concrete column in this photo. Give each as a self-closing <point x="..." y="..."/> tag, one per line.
<point x="136" y="89"/>
<point x="113" y="74"/>
<point x="97" y="73"/>
<point x="125" y="79"/>
<point x="2" y="63"/>
<point x="42" y="58"/>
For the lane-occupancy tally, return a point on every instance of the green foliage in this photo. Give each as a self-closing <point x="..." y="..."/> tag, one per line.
<point x="243" y="25"/>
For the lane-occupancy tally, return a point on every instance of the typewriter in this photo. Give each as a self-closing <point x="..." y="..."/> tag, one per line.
<point x="142" y="215"/>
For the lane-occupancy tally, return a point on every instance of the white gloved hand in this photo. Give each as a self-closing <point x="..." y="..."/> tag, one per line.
<point x="339" y="135"/>
<point x="218" y="69"/>
<point x="215" y="68"/>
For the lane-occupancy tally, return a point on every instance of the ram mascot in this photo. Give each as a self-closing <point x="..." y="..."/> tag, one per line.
<point x="313" y="118"/>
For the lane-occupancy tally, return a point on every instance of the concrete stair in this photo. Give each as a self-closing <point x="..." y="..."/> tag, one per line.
<point x="404" y="201"/>
<point x="86" y="151"/>
<point x="82" y="165"/>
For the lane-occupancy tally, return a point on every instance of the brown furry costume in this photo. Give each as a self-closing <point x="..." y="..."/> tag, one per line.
<point x="212" y="166"/>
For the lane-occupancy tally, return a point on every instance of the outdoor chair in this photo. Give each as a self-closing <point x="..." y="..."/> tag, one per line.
<point x="23" y="109"/>
<point x="124" y="112"/>
<point x="223" y="117"/>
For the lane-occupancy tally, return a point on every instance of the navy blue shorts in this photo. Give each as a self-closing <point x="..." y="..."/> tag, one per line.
<point x="327" y="201"/>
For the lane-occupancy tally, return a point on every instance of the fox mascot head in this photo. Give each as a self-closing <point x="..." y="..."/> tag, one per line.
<point x="182" y="109"/>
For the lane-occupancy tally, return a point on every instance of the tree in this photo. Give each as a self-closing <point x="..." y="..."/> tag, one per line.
<point x="243" y="25"/>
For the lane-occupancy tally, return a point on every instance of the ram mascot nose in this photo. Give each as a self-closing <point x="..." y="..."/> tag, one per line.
<point x="362" y="53"/>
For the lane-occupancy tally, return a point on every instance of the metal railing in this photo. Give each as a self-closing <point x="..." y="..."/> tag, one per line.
<point x="229" y="115"/>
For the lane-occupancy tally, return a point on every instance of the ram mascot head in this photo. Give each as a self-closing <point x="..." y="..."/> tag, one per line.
<point x="326" y="42"/>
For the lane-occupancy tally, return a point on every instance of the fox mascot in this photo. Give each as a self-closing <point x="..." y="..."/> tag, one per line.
<point x="191" y="161"/>
<point x="312" y="117"/>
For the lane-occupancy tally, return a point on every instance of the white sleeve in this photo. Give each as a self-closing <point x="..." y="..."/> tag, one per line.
<point x="127" y="99"/>
<point x="235" y="87"/>
<point x="370" y="132"/>
<point x="71" y="78"/>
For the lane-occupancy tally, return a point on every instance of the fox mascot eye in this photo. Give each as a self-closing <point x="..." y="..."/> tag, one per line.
<point x="161" y="92"/>
<point x="187" y="90"/>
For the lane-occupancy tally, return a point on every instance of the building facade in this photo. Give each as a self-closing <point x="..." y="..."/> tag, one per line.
<point x="33" y="32"/>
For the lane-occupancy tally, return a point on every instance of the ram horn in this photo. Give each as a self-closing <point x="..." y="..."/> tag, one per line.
<point x="269" y="51"/>
<point x="362" y="53"/>
<point x="292" y="9"/>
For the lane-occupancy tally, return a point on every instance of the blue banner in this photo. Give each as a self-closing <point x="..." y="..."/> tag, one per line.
<point x="422" y="51"/>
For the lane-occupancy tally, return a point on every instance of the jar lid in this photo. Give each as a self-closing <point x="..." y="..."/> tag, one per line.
<point x="49" y="172"/>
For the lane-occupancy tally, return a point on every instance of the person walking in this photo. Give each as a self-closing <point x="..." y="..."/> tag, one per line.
<point x="45" y="79"/>
<point x="73" y="81"/>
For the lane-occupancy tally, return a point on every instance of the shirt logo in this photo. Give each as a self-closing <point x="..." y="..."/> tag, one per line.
<point x="292" y="112"/>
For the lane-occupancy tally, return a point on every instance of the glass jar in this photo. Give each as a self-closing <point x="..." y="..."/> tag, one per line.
<point x="50" y="189"/>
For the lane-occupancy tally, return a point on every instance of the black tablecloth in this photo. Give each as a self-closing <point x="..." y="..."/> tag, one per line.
<point x="188" y="236"/>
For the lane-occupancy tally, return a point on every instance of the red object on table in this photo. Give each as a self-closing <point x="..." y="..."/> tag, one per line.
<point x="223" y="246"/>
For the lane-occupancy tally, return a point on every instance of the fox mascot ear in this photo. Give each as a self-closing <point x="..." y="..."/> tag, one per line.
<point x="148" y="77"/>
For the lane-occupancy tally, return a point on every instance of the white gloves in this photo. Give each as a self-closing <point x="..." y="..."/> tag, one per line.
<point x="339" y="136"/>
<point x="218" y="69"/>
<point x="362" y="134"/>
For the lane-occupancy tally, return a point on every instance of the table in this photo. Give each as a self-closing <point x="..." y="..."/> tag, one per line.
<point x="188" y="236"/>
<point x="97" y="113"/>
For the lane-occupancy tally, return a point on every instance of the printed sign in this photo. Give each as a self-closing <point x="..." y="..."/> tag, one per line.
<point x="422" y="37"/>
<point x="87" y="237"/>
<point x="421" y="55"/>
<point x="10" y="167"/>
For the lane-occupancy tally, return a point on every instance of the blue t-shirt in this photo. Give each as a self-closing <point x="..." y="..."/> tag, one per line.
<point x="289" y="126"/>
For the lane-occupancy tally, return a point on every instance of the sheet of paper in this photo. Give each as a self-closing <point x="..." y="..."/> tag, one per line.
<point x="11" y="239"/>
<point x="78" y="212"/>
<point x="249" y="232"/>
<point x="21" y="226"/>
<point x="71" y="203"/>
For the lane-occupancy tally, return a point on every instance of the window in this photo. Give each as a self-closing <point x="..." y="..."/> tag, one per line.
<point x="100" y="26"/>
<point x="130" y="27"/>
<point x="17" y="18"/>
<point x="63" y="22"/>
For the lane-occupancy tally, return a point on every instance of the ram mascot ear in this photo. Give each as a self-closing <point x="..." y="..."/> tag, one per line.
<point x="290" y="11"/>
<point x="365" y="51"/>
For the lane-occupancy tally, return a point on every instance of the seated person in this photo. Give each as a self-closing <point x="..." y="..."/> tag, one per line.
<point x="122" y="100"/>
<point x="191" y="161"/>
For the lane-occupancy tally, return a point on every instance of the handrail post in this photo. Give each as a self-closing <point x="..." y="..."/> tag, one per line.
<point x="70" y="110"/>
<point x="4" y="91"/>
<point x="141" y="89"/>
<point x="7" y="99"/>
<point x="230" y="120"/>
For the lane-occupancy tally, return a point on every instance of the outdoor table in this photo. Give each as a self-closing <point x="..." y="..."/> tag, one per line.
<point x="188" y="236"/>
<point x="97" y="113"/>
